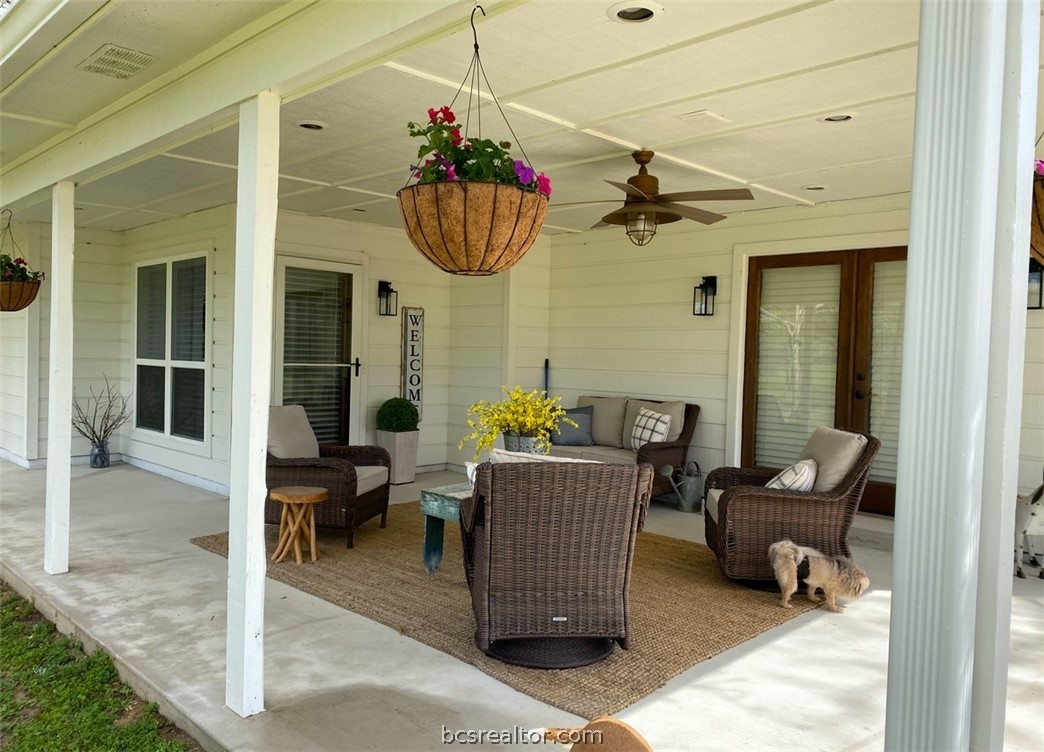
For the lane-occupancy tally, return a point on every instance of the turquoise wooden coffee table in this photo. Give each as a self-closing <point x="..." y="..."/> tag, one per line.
<point x="438" y="505"/>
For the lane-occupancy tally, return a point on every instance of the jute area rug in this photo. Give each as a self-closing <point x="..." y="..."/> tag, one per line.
<point x="684" y="611"/>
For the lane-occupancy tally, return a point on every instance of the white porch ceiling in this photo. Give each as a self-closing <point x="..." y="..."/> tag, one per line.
<point x="580" y="90"/>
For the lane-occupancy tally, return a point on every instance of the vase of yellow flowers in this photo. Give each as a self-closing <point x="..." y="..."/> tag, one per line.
<point x="526" y="420"/>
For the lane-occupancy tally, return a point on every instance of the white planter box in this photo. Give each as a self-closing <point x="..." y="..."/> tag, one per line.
<point x="402" y="447"/>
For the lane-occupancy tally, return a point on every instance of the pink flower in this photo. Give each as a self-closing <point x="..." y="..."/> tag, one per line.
<point x="544" y="184"/>
<point x="451" y="173"/>
<point x="1038" y="166"/>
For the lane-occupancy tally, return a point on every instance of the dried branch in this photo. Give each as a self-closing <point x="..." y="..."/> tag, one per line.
<point x="104" y="413"/>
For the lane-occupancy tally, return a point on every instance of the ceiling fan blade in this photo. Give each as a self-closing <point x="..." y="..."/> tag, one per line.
<point x="582" y="203"/>
<point x="691" y="212"/>
<point x="726" y="194"/>
<point x="627" y="188"/>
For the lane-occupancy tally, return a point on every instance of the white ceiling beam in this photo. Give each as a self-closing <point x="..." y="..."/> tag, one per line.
<point x="54" y="50"/>
<point x="750" y="84"/>
<point x="312" y="44"/>
<point x="36" y="120"/>
<point x="673" y="47"/>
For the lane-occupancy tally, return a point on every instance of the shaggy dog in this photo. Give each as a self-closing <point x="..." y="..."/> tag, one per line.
<point x="836" y="575"/>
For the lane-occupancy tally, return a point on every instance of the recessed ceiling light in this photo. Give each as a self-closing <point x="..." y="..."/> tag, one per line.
<point x="814" y="187"/>
<point x="842" y="117"/>
<point x="312" y="125"/>
<point x="634" y="11"/>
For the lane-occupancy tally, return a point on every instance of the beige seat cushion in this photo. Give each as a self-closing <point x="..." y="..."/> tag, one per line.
<point x="289" y="433"/>
<point x="498" y="456"/>
<point x="675" y="410"/>
<point x="835" y="451"/>
<point x="711" y="507"/>
<point x="612" y="455"/>
<point x="369" y="477"/>
<point x="608" y="420"/>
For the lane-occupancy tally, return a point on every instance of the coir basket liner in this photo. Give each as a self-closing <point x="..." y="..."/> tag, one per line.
<point x="470" y="227"/>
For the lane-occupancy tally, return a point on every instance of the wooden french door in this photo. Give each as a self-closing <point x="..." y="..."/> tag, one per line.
<point x="824" y="347"/>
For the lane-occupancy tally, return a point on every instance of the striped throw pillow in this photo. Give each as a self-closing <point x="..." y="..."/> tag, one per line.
<point x="649" y="426"/>
<point x="800" y="476"/>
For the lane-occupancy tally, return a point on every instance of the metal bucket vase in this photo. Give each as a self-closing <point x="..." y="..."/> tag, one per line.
<point x="100" y="454"/>
<point x="515" y="443"/>
<point x="14" y="296"/>
<point x="469" y="227"/>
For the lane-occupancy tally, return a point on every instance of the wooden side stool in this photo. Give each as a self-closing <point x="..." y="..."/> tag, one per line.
<point x="297" y="519"/>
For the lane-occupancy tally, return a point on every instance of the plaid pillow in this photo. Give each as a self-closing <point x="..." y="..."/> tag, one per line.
<point x="649" y="426"/>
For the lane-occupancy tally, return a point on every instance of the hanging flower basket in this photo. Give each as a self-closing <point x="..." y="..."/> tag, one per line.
<point x="1037" y="219"/>
<point x="470" y="227"/>
<point x="14" y="296"/>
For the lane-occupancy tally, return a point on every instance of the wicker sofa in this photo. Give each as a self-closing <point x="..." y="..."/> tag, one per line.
<point x="612" y="421"/>
<point x="548" y="548"/>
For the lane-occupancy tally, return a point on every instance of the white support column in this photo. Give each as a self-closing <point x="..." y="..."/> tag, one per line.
<point x="951" y="351"/>
<point x="251" y="383"/>
<point x="59" y="389"/>
<point x="1007" y="349"/>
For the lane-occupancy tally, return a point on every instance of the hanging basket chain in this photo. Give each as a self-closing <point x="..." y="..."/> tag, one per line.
<point x="475" y="91"/>
<point x="6" y="236"/>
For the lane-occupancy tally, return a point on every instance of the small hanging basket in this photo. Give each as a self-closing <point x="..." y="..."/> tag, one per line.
<point x="472" y="228"/>
<point x="1037" y="220"/>
<point x="14" y="296"/>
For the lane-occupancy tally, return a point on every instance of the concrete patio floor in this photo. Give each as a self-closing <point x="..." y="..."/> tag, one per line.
<point x="337" y="681"/>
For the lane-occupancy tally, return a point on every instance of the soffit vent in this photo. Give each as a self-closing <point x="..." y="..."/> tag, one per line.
<point x="700" y="118"/>
<point x="115" y="62"/>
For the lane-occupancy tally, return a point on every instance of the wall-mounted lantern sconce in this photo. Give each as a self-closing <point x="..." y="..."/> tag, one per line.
<point x="387" y="299"/>
<point x="1035" y="299"/>
<point x="703" y="297"/>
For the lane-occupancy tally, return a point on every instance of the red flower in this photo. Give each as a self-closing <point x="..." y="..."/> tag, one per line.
<point x="447" y="115"/>
<point x="455" y="137"/>
<point x="433" y="115"/>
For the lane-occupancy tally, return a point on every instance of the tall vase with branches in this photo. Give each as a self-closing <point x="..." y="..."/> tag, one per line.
<point x="104" y="412"/>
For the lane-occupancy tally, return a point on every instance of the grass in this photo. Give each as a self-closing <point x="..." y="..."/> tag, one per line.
<point x="55" y="697"/>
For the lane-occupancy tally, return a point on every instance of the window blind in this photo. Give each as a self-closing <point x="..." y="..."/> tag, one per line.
<point x="886" y="355"/>
<point x="152" y="312"/>
<point x="797" y="359"/>
<point x="188" y="303"/>
<point x="315" y="348"/>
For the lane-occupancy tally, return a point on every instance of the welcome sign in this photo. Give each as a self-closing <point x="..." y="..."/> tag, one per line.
<point x="413" y="356"/>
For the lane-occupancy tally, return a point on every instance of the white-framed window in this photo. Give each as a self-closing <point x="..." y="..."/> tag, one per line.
<point x="171" y="378"/>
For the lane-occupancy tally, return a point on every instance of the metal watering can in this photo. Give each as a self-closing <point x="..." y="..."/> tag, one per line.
<point x="688" y="485"/>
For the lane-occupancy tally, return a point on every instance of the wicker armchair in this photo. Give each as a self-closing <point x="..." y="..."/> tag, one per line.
<point x="748" y="517"/>
<point x="548" y="549"/>
<point x="342" y="470"/>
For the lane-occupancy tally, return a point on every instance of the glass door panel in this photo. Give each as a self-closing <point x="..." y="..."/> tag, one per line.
<point x="798" y="341"/>
<point x="316" y="347"/>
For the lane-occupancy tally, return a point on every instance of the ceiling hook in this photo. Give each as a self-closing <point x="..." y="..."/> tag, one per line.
<point x="7" y="223"/>
<point x="473" y="32"/>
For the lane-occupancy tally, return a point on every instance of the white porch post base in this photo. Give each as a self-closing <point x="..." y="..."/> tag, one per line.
<point x="251" y="385"/>
<point x="59" y="384"/>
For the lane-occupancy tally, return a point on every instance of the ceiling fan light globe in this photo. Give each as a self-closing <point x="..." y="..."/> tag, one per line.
<point x="641" y="228"/>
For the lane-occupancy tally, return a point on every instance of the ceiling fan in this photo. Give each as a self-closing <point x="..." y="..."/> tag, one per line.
<point x="645" y="207"/>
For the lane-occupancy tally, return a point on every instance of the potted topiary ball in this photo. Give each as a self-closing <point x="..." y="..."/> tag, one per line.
<point x="397" y="432"/>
